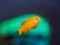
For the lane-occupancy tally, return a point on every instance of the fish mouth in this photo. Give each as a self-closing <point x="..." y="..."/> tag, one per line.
<point x="36" y="21"/>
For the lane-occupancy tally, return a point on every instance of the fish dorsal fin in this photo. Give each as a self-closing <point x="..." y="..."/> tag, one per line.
<point x="23" y="22"/>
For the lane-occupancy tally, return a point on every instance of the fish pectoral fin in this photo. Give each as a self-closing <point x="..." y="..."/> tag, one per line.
<point x="34" y="26"/>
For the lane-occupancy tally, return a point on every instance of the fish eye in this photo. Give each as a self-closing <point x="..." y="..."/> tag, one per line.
<point x="36" y="18"/>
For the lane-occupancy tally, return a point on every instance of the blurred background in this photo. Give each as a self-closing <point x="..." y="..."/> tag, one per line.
<point x="47" y="8"/>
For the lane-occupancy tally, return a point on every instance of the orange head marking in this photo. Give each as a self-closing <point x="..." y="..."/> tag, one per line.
<point x="36" y="20"/>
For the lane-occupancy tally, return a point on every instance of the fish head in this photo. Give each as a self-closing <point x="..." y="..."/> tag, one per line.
<point x="36" y="20"/>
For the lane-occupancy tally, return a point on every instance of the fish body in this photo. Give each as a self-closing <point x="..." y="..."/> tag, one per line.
<point x="29" y="24"/>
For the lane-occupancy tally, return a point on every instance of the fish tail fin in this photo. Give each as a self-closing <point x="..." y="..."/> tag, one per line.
<point x="20" y="31"/>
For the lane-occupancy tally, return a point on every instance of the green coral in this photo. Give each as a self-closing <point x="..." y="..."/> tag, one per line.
<point x="12" y="25"/>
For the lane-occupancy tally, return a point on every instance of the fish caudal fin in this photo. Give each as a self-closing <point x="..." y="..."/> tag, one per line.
<point x="20" y="31"/>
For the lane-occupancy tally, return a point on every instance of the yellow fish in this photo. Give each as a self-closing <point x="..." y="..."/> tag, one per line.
<point x="29" y="24"/>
